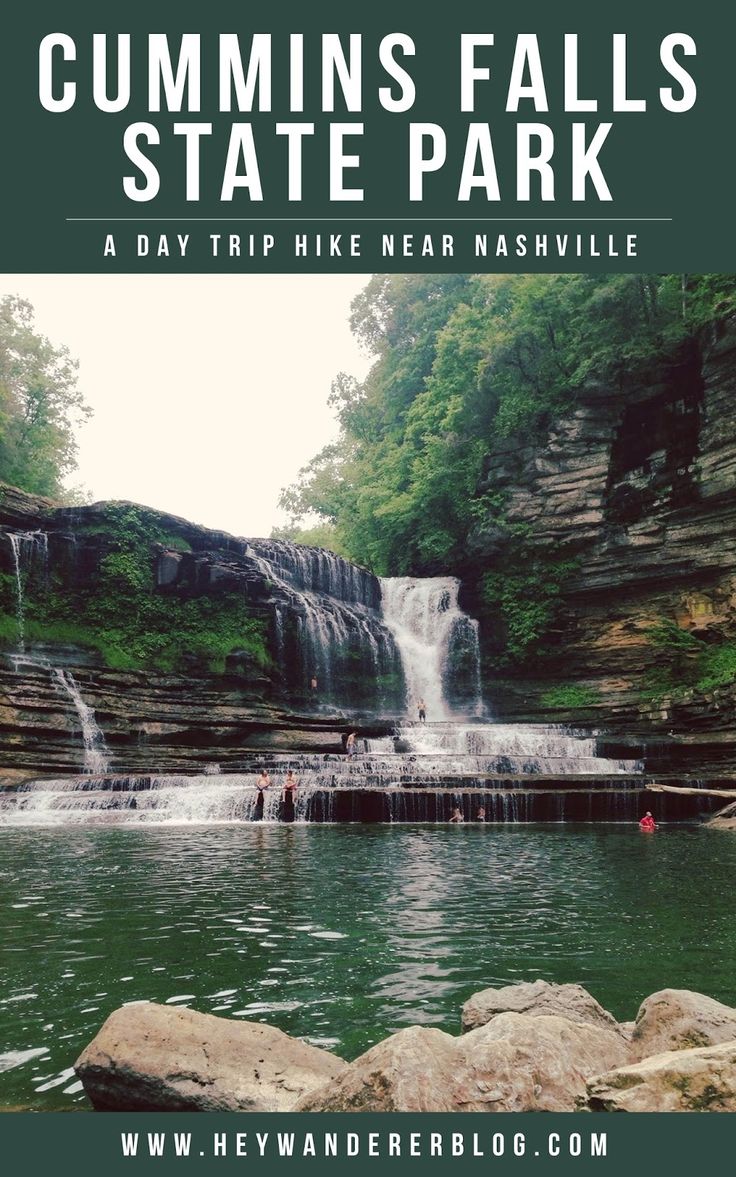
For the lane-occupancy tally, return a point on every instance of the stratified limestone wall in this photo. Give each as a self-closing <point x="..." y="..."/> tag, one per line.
<point x="319" y="614"/>
<point x="640" y="487"/>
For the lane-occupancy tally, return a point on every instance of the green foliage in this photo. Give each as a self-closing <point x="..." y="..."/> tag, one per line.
<point x="120" y="613"/>
<point x="175" y="543"/>
<point x="323" y="535"/>
<point x="717" y="667"/>
<point x="667" y="635"/>
<point x="526" y="601"/>
<point x="8" y="629"/>
<point x="40" y="404"/>
<point x="462" y="360"/>
<point x="570" y="697"/>
<point x="686" y="663"/>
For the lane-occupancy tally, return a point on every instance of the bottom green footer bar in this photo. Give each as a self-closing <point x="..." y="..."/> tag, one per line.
<point x="289" y="1144"/>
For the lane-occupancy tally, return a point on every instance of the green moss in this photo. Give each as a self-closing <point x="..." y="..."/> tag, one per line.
<point x="175" y="543"/>
<point x="569" y="697"/>
<point x="526" y="599"/>
<point x="717" y="667"/>
<point x="8" y="629"/>
<point x="120" y="613"/>
<point x="686" y="663"/>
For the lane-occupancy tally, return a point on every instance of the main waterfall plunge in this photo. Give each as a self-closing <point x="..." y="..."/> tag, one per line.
<point x="351" y="646"/>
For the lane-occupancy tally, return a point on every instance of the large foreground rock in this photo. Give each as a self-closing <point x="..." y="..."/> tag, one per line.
<point x="517" y="1062"/>
<point x="701" y="1080"/>
<point x="152" y="1057"/>
<point x="531" y="1063"/>
<point x="536" y="997"/>
<point x="412" y="1071"/>
<point x="678" y="1019"/>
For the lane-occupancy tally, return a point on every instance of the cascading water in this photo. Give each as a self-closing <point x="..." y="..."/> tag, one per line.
<point x="24" y="544"/>
<point x="95" y="750"/>
<point x="338" y="624"/>
<point x="29" y="548"/>
<point x="438" y="644"/>
<point x="328" y="626"/>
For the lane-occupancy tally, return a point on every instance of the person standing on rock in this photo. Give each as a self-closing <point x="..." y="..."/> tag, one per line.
<point x="290" y="785"/>
<point x="647" y="823"/>
<point x="350" y="745"/>
<point x="263" y="782"/>
<point x="422" y="711"/>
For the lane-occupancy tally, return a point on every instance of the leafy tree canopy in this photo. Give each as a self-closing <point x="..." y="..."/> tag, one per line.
<point x="40" y="404"/>
<point x="460" y="361"/>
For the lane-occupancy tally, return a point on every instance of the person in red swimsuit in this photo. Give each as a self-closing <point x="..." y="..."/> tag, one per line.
<point x="647" y="823"/>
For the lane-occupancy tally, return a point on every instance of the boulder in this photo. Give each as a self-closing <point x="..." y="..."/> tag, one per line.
<point x="151" y="1057"/>
<point x="412" y="1071"/>
<point x="699" y="1080"/>
<point x="725" y="819"/>
<point x="517" y="1062"/>
<point x="531" y="1062"/>
<point x="536" y="997"/>
<point x="678" y="1019"/>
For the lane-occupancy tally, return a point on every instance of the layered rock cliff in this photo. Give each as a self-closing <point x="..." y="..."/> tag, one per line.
<point x="632" y="492"/>
<point x="315" y="654"/>
<point x="636" y="489"/>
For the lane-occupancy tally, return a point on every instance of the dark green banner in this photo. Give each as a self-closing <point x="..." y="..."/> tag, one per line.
<point x="234" y="137"/>
<point x="282" y="1145"/>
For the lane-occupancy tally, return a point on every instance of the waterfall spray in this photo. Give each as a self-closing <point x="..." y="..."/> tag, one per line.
<point x="431" y="632"/>
<point x="95" y="751"/>
<point x="23" y="544"/>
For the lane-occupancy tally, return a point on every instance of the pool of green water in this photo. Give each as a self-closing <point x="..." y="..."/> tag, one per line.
<point x="341" y="934"/>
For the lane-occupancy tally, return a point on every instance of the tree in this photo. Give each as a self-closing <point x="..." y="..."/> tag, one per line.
<point x="461" y="361"/>
<point x="40" y="404"/>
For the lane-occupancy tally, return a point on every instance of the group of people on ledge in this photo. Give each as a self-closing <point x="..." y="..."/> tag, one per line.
<point x="264" y="782"/>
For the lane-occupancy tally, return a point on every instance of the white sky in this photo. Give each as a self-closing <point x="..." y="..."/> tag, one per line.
<point x="209" y="392"/>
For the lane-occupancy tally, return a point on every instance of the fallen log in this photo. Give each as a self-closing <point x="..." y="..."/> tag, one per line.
<point x="727" y="793"/>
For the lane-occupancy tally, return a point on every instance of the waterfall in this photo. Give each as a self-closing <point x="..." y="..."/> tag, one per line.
<point x="95" y="751"/>
<point x="23" y="545"/>
<point x="234" y="798"/>
<point x="438" y="644"/>
<point x="328" y="626"/>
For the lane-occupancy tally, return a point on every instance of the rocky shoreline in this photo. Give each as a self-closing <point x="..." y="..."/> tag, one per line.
<point x="534" y="1046"/>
